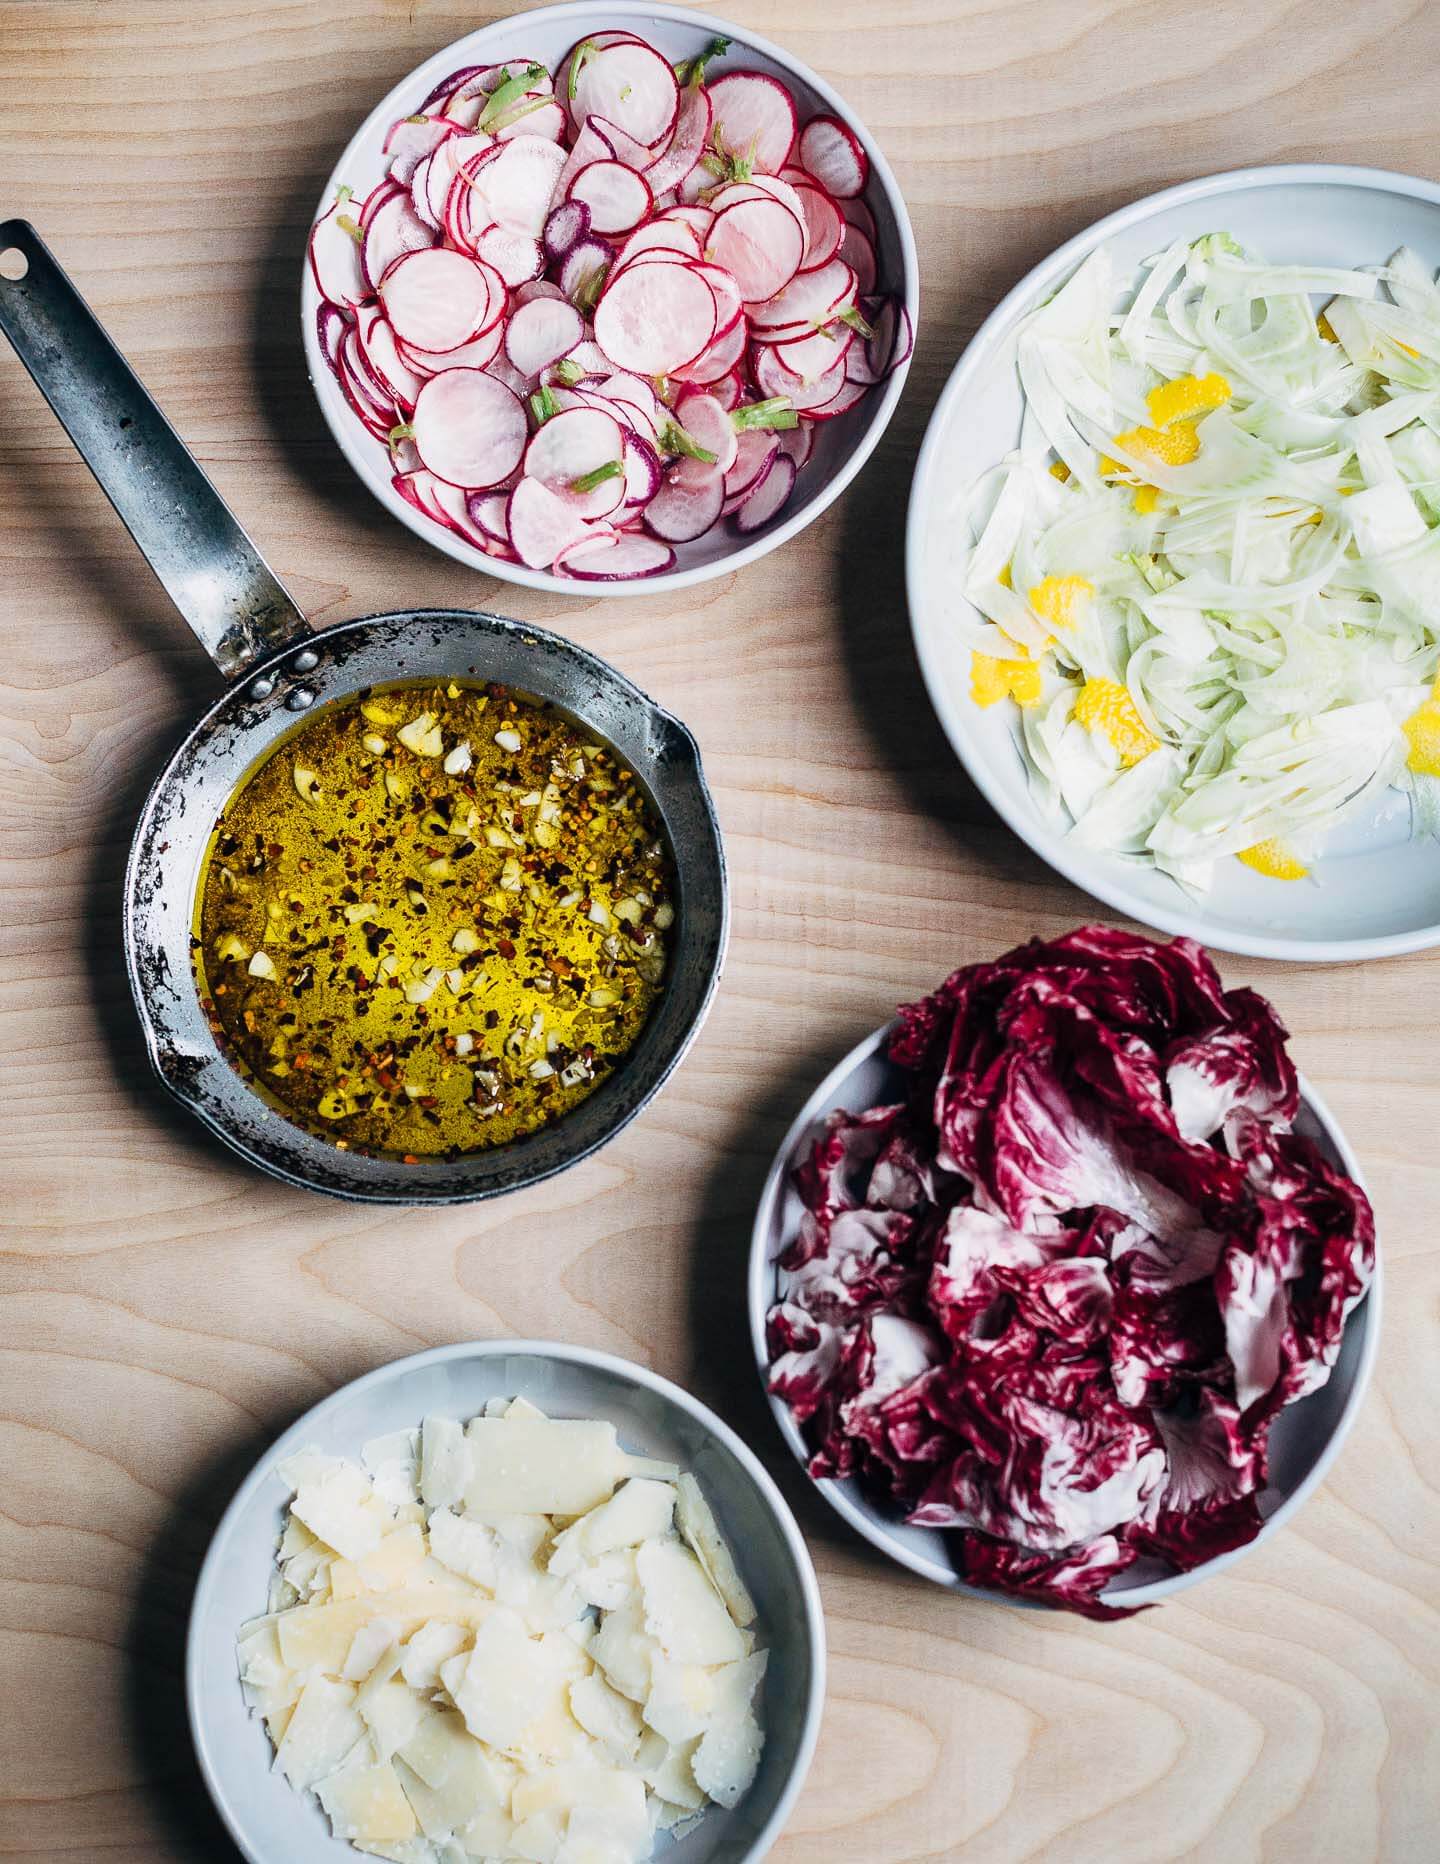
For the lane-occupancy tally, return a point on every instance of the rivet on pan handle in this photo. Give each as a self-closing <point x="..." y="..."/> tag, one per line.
<point x="211" y="571"/>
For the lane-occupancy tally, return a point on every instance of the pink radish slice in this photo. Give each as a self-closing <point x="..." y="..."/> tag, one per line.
<point x="729" y="305"/>
<point x="585" y="266"/>
<point x="546" y="119"/>
<point x="760" y="243"/>
<point x="375" y="342"/>
<point x="586" y="357"/>
<point x="642" y="470"/>
<point x="505" y="371"/>
<point x="831" y="152"/>
<point x="330" y="325"/>
<point x="570" y="445"/>
<point x="773" y="378"/>
<point x="476" y="355"/>
<point x="709" y="426"/>
<point x="698" y="218"/>
<point x="538" y="288"/>
<point x="631" y="86"/>
<point x="849" y="396"/>
<point x="542" y="523"/>
<point x="491" y="512"/>
<point x="797" y="444"/>
<point x="413" y="488"/>
<point x="699" y="181"/>
<point x="440" y="169"/>
<point x="357" y="391"/>
<point x="687" y="140"/>
<point x="589" y="146"/>
<point x="376" y="199"/>
<point x="659" y="236"/>
<point x="616" y="558"/>
<point x="857" y="249"/>
<point x="410" y="140"/>
<point x="395" y="229"/>
<point x="811" y="357"/>
<point x="754" y="454"/>
<point x="420" y="194"/>
<point x="635" y="399"/>
<point x="904" y="340"/>
<point x="654" y="318"/>
<point x="718" y="361"/>
<point x="753" y="108"/>
<point x="567" y="226"/>
<point x="857" y="214"/>
<point x="622" y="146"/>
<point x="469" y="428"/>
<point x="769" y="496"/>
<point x="437" y="299"/>
<point x="515" y="256"/>
<point x="882" y="317"/>
<point x="466" y="211"/>
<point x="809" y="300"/>
<point x="688" y="502"/>
<point x="825" y="227"/>
<point x="592" y="42"/>
<point x="729" y="391"/>
<point x="617" y="197"/>
<point x="450" y="86"/>
<point x="519" y="183"/>
<point x="540" y="332"/>
<point x="455" y="509"/>
<point x="335" y="257"/>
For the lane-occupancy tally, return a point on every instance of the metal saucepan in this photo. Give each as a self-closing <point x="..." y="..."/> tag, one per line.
<point x="278" y="669"/>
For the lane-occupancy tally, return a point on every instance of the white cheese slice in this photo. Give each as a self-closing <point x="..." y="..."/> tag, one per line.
<point x="610" y="1802"/>
<point x="393" y="1464"/>
<point x="367" y="1804"/>
<point x="609" y="1581"/>
<point x="682" y="1609"/>
<point x="522" y="1407"/>
<point x="319" y="1636"/>
<point x="697" y="1523"/>
<point x="465" y="1547"/>
<point x="393" y="1563"/>
<point x="640" y="1510"/>
<point x="728" y="1756"/>
<point x="341" y="1508"/>
<point x="608" y="1717"/>
<point x="654" y="1467"/>
<point x="427" y="1648"/>
<point x="622" y="1647"/>
<point x="667" y="1771"/>
<point x="369" y="1644"/>
<point x="537" y="1840"/>
<point x="322" y="1731"/>
<point x="444" y="1462"/>
<point x="590" y="1846"/>
<point x="504" y="1682"/>
<point x="394" y="1713"/>
<point x="522" y="1465"/>
<point x="487" y="1835"/>
<point x="681" y="1699"/>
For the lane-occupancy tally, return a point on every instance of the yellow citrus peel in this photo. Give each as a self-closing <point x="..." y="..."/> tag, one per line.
<point x="1106" y="708"/>
<point x="1187" y="395"/>
<point x="993" y="679"/>
<point x="1061" y="600"/>
<point x="1274" y="860"/>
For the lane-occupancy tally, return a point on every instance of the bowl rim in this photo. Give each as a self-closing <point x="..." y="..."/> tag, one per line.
<point x="349" y="435"/>
<point x="203" y="1603"/>
<point x="1091" y="875"/>
<point x="840" y="1492"/>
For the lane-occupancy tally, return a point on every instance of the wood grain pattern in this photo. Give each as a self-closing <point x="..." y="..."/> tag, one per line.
<point x="163" y="1311"/>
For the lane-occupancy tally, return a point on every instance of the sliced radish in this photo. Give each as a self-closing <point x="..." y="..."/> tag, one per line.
<point x="540" y="332"/>
<point x="797" y="444"/>
<point x="335" y="256"/>
<point x="698" y="218"/>
<point x="617" y="197"/>
<point x="754" y="118"/>
<point x="383" y="191"/>
<point x="542" y="523"/>
<point x="636" y="400"/>
<point x="857" y="249"/>
<point x="709" y="426"/>
<point x="518" y="183"/>
<point x="904" y="339"/>
<point x="476" y="355"/>
<point x="374" y="407"/>
<point x="654" y="318"/>
<point x="411" y="140"/>
<point x="616" y="558"/>
<point x="761" y="505"/>
<point x="395" y="229"/>
<point x="439" y="170"/>
<point x="572" y="446"/>
<point x="760" y="243"/>
<point x="469" y="428"/>
<point x="539" y="116"/>
<point x="378" y="350"/>
<point x="831" y="152"/>
<point x="729" y="305"/>
<point x="503" y="370"/>
<point x="857" y="214"/>
<point x="825" y="227"/>
<point x="729" y="391"/>
<point x="716" y="362"/>
<point x="331" y="324"/>
<point x="849" y="395"/>
<point x="631" y="86"/>
<point x="621" y="145"/>
<point x="773" y="378"/>
<point x="818" y="354"/>
<point x="660" y="236"/>
<point x="491" y="512"/>
<point x="437" y="299"/>
<point x="584" y="269"/>
<point x="754" y="453"/>
<point x="808" y="301"/>
<point x="450" y="87"/>
<point x="589" y="146"/>
<point x="515" y="256"/>
<point x="567" y="226"/>
<point x="687" y="141"/>
<point x="688" y="502"/>
<point x="454" y="505"/>
<point x="642" y="470"/>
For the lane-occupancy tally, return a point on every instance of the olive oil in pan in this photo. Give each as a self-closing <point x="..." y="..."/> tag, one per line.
<point x="434" y="919"/>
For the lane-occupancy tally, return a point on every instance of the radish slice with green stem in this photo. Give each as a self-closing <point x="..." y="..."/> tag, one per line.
<point x="469" y="428"/>
<point x="580" y="453"/>
<point x="754" y="119"/>
<point x="631" y="86"/>
<point x="830" y="151"/>
<point x="709" y="425"/>
<point x="335" y="254"/>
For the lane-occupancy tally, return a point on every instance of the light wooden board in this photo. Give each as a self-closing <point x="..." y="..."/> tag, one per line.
<point x="163" y="1311"/>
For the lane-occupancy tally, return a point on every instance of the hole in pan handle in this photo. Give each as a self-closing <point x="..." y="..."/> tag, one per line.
<point x="222" y="586"/>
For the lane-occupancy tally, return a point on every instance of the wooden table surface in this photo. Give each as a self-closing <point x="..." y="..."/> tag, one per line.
<point x="164" y="1311"/>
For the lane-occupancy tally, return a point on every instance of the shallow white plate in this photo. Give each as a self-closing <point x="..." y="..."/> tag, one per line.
<point x="1378" y="893"/>
<point x="841" y="446"/>
<point x="1304" y="1439"/>
<point x="269" y="1821"/>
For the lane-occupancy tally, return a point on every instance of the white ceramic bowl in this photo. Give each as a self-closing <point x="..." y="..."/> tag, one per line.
<point x="1378" y="893"/>
<point x="841" y="446"/>
<point x="267" y="1819"/>
<point x="1304" y="1439"/>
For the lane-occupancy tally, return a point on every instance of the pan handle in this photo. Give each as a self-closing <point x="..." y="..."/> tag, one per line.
<point x="222" y="586"/>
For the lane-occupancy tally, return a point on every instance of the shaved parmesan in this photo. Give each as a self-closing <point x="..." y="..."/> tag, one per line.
<point x="341" y="1508"/>
<point x="682" y="1609"/>
<point x="323" y="1729"/>
<point x="366" y="1804"/>
<point x="698" y="1525"/>
<point x="522" y="1465"/>
<point x="444" y="1462"/>
<point x="610" y="1718"/>
<point x="430" y="1646"/>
